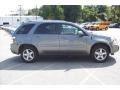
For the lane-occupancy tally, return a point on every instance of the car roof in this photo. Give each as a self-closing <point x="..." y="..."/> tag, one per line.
<point x="48" y="21"/>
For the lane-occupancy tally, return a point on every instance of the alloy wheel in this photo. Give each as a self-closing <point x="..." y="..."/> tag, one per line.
<point x="100" y="54"/>
<point x="28" y="54"/>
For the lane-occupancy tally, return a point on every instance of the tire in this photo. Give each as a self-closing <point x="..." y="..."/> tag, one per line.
<point x="99" y="53"/>
<point x="106" y="28"/>
<point x="29" y="54"/>
<point x="97" y="29"/>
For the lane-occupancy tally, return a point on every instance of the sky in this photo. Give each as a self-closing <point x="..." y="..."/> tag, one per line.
<point x="6" y="6"/>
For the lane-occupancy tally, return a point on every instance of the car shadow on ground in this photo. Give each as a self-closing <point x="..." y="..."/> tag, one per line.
<point x="54" y="63"/>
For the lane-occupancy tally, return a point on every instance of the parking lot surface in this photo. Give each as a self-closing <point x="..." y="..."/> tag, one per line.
<point x="58" y="69"/>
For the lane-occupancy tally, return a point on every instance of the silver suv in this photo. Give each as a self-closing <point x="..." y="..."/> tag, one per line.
<point x="60" y="37"/>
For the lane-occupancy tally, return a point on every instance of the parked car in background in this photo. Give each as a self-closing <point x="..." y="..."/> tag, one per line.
<point x="115" y="25"/>
<point x="99" y="26"/>
<point x="60" y="37"/>
<point x="82" y="25"/>
<point x="94" y="26"/>
<point x="87" y="25"/>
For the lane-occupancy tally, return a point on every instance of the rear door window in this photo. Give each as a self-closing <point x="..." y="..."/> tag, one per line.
<point x="46" y="28"/>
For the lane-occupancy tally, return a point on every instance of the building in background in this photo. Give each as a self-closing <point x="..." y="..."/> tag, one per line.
<point x="17" y="20"/>
<point x="18" y="16"/>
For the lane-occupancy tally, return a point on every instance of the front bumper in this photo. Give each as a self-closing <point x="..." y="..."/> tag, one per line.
<point x="115" y="48"/>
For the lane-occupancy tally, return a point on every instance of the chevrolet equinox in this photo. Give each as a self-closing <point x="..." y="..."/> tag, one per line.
<point x="60" y="37"/>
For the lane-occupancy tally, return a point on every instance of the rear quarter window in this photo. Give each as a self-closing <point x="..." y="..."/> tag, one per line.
<point x="25" y="29"/>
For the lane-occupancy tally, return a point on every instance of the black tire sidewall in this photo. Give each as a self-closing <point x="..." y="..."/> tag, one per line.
<point x="97" y="28"/>
<point x="106" y="28"/>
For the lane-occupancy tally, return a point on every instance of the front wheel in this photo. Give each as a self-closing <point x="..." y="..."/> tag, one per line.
<point x="106" y="28"/>
<point x="97" y="29"/>
<point x="100" y="53"/>
<point x="29" y="54"/>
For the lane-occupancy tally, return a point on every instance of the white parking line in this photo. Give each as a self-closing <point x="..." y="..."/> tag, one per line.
<point x="90" y="74"/>
<point x="29" y="74"/>
<point x="85" y="79"/>
<point x="98" y="80"/>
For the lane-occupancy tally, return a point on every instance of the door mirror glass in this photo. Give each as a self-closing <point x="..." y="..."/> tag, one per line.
<point x="80" y="33"/>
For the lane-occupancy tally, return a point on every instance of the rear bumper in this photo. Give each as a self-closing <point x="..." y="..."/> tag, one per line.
<point x="14" y="48"/>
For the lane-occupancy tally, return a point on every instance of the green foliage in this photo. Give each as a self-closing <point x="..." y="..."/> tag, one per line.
<point x="72" y="12"/>
<point x="52" y="12"/>
<point x="115" y="16"/>
<point x="89" y="13"/>
<point x="75" y="13"/>
<point x="101" y="8"/>
<point x="33" y="11"/>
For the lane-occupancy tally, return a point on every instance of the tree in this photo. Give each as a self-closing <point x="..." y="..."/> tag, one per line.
<point x="57" y="12"/>
<point x="89" y="13"/>
<point x="33" y="11"/>
<point x="115" y="10"/>
<point x="101" y="8"/>
<point x="72" y="12"/>
<point x="68" y="13"/>
<point x="52" y="12"/>
<point x="102" y="12"/>
<point x="45" y="12"/>
<point x="75" y="13"/>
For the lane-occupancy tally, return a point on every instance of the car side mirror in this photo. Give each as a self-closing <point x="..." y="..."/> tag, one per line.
<point x="81" y="34"/>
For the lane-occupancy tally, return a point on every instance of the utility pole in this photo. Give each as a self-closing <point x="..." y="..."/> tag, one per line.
<point x="12" y="16"/>
<point x="36" y="12"/>
<point x="20" y="12"/>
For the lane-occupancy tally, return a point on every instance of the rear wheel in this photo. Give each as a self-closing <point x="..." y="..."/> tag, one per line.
<point x="29" y="54"/>
<point x="100" y="53"/>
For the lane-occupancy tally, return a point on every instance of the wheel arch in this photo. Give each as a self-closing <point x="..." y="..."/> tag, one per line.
<point x="100" y="44"/>
<point x="26" y="45"/>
